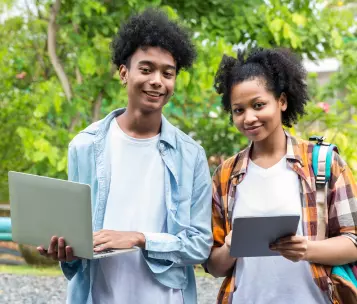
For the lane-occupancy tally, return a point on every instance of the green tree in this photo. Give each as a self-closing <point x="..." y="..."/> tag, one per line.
<point x="58" y="78"/>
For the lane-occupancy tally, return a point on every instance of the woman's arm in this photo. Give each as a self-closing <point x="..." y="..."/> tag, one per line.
<point x="220" y="263"/>
<point x="340" y="248"/>
<point x="334" y="251"/>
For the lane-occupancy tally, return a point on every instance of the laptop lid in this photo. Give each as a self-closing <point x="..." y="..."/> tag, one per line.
<point x="42" y="207"/>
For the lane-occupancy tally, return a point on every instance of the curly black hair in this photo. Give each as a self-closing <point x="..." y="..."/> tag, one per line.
<point x="281" y="70"/>
<point x="153" y="28"/>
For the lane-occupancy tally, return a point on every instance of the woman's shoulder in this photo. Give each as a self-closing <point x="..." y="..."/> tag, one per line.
<point x="225" y="169"/>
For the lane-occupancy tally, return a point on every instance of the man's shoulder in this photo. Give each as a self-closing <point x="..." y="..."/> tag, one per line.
<point x="86" y="136"/>
<point x="185" y="139"/>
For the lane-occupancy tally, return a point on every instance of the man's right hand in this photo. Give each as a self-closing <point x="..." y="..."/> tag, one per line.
<point x="58" y="250"/>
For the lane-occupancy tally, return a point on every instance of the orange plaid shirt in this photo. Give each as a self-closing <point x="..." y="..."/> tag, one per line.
<point x="341" y="199"/>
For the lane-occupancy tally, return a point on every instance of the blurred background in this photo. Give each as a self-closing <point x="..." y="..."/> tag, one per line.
<point x="56" y="75"/>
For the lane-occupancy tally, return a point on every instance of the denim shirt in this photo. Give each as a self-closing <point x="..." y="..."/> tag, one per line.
<point x="170" y="256"/>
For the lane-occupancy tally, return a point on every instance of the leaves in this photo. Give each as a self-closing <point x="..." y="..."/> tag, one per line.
<point x="36" y="117"/>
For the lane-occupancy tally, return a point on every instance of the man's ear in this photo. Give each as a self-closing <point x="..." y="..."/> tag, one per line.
<point x="283" y="100"/>
<point x="123" y="73"/>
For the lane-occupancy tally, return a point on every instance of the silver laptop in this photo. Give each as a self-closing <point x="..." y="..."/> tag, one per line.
<point x="42" y="207"/>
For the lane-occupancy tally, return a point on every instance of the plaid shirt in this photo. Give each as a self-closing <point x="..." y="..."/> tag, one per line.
<point x="341" y="198"/>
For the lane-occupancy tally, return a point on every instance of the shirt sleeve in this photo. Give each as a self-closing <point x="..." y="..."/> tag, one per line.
<point x="218" y="218"/>
<point x="218" y="222"/>
<point x="192" y="245"/>
<point x="342" y="198"/>
<point x="69" y="269"/>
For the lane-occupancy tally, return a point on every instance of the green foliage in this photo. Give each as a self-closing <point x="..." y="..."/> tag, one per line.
<point x="339" y="124"/>
<point x="38" y="119"/>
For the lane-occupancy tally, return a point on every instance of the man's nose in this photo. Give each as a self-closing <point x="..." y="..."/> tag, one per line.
<point x="156" y="79"/>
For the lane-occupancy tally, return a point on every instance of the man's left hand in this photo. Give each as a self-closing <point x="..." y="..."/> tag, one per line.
<point x="106" y="239"/>
<point x="293" y="248"/>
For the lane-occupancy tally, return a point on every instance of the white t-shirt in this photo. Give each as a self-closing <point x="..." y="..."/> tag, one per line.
<point x="260" y="280"/>
<point x="135" y="203"/>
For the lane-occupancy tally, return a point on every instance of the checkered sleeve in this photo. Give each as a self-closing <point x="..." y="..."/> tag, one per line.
<point x="218" y="222"/>
<point x="342" y="200"/>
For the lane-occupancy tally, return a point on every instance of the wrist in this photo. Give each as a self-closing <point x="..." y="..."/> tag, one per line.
<point x="309" y="251"/>
<point x="140" y="240"/>
<point x="227" y="248"/>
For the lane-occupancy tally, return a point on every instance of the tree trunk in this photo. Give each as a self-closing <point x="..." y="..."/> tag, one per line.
<point x="51" y="45"/>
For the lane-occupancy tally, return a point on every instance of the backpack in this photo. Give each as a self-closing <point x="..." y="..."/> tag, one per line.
<point x="344" y="277"/>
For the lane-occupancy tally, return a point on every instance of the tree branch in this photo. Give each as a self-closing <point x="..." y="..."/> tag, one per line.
<point x="35" y="44"/>
<point x="98" y="102"/>
<point x="51" y="45"/>
<point x="79" y="76"/>
<point x="96" y="107"/>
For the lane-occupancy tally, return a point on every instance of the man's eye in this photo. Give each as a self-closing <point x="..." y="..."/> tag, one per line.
<point x="145" y="70"/>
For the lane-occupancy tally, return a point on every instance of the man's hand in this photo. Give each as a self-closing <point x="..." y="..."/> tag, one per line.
<point x="293" y="248"/>
<point x="105" y="239"/>
<point x="58" y="250"/>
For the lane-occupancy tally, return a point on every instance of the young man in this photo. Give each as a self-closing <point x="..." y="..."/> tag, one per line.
<point x="150" y="182"/>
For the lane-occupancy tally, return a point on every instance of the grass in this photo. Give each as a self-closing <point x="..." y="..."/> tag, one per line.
<point x="31" y="270"/>
<point x="56" y="271"/>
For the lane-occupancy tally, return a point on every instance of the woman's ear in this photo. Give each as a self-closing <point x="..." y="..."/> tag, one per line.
<point x="283" y="100"/>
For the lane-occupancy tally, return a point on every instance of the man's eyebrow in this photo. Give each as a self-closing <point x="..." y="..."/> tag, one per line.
<point x="167" y="66"/>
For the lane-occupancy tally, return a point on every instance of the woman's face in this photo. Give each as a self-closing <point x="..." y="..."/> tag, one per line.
<point x="255" y="110"/>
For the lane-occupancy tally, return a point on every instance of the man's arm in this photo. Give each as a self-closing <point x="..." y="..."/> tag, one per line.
<point x="70" y="268"/>
<point x="192" y="245"/>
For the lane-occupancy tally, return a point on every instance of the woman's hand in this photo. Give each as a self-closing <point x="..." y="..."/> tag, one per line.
<point x="293" y="248"/>
<point x="228" y="240"/>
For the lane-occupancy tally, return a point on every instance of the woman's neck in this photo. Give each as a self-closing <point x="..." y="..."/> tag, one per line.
<point x="269" y="151"/>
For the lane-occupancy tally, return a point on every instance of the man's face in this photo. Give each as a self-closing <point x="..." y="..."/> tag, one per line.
<point x="150" y="78"/>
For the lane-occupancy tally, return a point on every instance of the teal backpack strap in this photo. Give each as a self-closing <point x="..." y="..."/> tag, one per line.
<point x="322" y="154"/>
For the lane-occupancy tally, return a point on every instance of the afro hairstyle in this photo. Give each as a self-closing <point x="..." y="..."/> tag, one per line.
<point x="152" y="28"/>
<point x="281" y="71"/>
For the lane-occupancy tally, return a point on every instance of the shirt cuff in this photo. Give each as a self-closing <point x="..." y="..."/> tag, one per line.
<point x="161" y="242"/>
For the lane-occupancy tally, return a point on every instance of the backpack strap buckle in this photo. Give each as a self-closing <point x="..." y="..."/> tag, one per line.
<point x="318" y="139"/>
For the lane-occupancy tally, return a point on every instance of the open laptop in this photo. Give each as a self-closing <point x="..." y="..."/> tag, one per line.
<point x="42" y="207"/>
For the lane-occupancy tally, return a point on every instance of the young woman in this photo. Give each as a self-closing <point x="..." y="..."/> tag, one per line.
<point x="274" y="176"/>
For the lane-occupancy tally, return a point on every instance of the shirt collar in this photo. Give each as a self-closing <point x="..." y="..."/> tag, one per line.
<point x="167" y="133"/>
<point x="293" y="154"/>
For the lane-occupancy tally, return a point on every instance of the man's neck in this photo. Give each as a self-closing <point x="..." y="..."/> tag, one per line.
<point x="140" y="125"/>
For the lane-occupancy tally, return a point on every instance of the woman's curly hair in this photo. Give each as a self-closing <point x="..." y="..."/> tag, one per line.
<point x="153" y="28"/>
<point x="281" y="70"/>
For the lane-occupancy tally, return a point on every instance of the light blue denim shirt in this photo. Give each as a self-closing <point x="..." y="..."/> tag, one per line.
<point x="188" y="194"/>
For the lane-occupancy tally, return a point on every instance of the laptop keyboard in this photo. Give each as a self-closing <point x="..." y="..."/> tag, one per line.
<point x="102" y="252"/>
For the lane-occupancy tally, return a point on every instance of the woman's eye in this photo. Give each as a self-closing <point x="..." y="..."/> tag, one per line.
<point x="258" y="105"/>
<point x="237" y="111"/>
